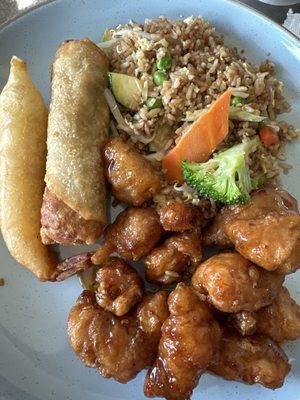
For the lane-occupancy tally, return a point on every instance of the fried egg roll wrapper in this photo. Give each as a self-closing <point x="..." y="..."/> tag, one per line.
<point x="23" y="130"/>
<point x="77" y="130"/>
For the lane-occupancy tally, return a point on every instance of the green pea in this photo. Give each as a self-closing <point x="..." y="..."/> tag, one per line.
<point x="152" y="103"/>
<point x="164" y="63"/>
<point x="159" y="77"/>
<point x="237" y="100"/>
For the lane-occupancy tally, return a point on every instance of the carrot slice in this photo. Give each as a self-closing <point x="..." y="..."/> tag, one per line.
<point x="268" y="136"/>
<point x="201" y="140"/>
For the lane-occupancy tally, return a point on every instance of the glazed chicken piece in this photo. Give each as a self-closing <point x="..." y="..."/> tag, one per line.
<point x="244" y="322"/>
<point x="231" y="283"/>
<point x="177" y="216"/>
<point x="269" y="199"/>
<point x="133" y="235"/>
<point x="132" y="177"/>
<point x="272" y="242"/>
<point x="266" y="230"/>
<point x="251" y="359"/>
<point x="119" y="286"/>
<point x="280" y="320"/>
<point x="175" y="260"/>
<point x="119" y="347"/>
<point x="213" y="234"/>
<point x="190" y="340"/>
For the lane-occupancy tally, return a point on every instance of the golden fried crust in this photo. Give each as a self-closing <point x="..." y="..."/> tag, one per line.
<point x="77" y="128"/>
<point x="272" y="242"/>
<point x="269" y="199"/>
<point x="176" y="216"/>
<point x="175" y="259"/>
<point x="252" y="359"/>
<point x="118" y="346"/>
<point x="23" y="126"/>
<point x="132" y="177"/>
<point x="189" y="342"/>
<point x="133" y="235"/>
<point x="119" y="287"/>
<point x="231" y="283"/>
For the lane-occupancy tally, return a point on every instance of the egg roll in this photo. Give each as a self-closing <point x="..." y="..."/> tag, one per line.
<point x="74" y="206"/>
<point x="23" y="135"/>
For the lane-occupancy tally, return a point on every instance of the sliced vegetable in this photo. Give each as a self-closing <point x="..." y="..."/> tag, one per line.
<point x="226" y="177"/>
<point x="114" y="109"/>
<point x="126" y="89"/>
<point x="153" y="102"/>
<point x="165" y="62"/>
<point x="106" y="35"/>
<point x="159" y="77"/>
<point x="107" y="41"/>
<point x="234" y="113"/>
<point x="162" y="135"/>
<point x="236" y="100"/>
<point x="268" y="136"/>
<point x="201" y="139"/>
<point x="237" y="114"/>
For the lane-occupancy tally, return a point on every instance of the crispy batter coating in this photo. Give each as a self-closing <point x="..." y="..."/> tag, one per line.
<point x="176" y="216"/>
<point x="231" y="283"/>
<point x="175" y="259"/>
<point x="119" y="347"/>
<point x="61" y="224"/>
<point x="133" y="235"/>
<point x="280" y="320"/>
<point x="132" y="177"/>
<point x="119" y="286"/>
<point x="23" y="134"/>
<point x="189" y="342"/>
<point x="251" y="359"/>
<point x="78" y="126"/>
<point x="269" y="199"/>
<point x="272" y="242"/>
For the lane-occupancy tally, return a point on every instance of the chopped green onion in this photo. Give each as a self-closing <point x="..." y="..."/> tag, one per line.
<point x="152" y="103"/>
<point x="237" y="100"/>
<point x="165" y="62"/>
<point x="159" y="77"/>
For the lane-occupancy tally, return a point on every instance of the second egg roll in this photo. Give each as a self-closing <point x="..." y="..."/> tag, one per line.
<point x="74" y="205"/>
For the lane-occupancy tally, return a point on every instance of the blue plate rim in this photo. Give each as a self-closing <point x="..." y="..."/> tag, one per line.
<point x="258" y="13"/>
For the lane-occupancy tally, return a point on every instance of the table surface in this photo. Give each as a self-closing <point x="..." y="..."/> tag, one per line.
<point x="10" y="8"/>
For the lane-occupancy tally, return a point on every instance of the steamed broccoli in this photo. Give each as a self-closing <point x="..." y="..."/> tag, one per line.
<point x="226" y="177"/>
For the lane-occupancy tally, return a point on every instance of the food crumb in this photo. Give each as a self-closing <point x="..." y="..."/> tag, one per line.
<point x="2" y="282"/>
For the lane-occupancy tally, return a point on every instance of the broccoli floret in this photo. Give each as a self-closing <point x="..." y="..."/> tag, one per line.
<point x="226" y="177"/>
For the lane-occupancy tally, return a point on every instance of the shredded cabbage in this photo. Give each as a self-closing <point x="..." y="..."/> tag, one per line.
<point x="109" y="43"/>
<point x="235" y="113"/>
<point x="114" y="108"/>
<point x="238" y="114"/>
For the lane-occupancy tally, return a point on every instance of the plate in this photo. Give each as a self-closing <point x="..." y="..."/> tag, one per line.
<point x="36" y="362"/>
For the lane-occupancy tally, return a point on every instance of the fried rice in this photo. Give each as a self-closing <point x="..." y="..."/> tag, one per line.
<point x="203" y="67"/>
